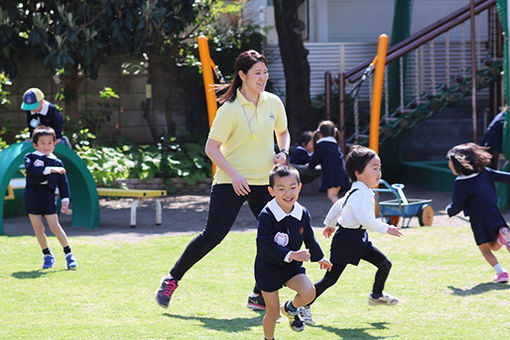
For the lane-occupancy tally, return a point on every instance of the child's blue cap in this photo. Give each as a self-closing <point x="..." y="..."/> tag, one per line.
<point x="32" y="98"/>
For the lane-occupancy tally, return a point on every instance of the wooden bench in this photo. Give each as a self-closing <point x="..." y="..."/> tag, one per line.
<point x="139" y="194"/>
<point x="15" y="183"/>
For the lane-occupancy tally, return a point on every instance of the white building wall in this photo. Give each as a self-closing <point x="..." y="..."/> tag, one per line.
<point x="361" y="20"/>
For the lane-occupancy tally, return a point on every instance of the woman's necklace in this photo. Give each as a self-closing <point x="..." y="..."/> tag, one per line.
<point x="254" y="136"/>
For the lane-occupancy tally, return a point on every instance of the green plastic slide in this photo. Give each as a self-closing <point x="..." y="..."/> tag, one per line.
<point x="84" y="199"/>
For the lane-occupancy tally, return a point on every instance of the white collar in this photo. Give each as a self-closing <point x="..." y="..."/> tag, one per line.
<point x="44" y="109"/>
<point x="362" y="186"/>
<point x="467" y="176"/>
<point x="279" y="214"/>
<point x="327" y="139"/>
<point x="39" y="153"/>
<point x="304" y="149"/>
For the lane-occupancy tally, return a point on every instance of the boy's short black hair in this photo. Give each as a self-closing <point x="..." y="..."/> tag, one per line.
<point x="282" y="170"/>
<point x="469" y="158"/>
<point x="42" y="130"/>
<point x="357" y="159"/>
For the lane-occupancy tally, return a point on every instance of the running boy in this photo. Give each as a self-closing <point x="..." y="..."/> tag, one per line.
<point x="283" y="226"/>
<point x="354" y="214"/>
<point x="45" y="172"/>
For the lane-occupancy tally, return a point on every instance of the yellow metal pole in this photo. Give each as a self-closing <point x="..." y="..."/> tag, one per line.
<point x="375" y="112"/>
<point x="207" y="72"/>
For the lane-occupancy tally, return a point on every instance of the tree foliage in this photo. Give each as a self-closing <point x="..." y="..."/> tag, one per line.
<point x="74" y="38"/>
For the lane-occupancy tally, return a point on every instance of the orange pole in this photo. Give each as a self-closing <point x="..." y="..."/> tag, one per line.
<point x="207" y="72"/>
<point x="375" y="112"/>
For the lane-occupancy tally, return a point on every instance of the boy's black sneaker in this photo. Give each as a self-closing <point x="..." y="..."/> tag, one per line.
<point x="295" y="320"/>
<point x="256" y="302"/>
<point x="165" y="291"/>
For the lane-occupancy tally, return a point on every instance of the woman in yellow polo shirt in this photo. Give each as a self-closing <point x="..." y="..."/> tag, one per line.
<point x="241" y="144"/>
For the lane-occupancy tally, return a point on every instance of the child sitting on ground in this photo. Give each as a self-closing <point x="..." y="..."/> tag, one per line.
<point x="327" y="153"/>
<point x="474" y="192"/>
<point x="304" y="149"/>
<point x="300" y="157"/>
<point x="283" y="226"/>
<point x="45" y="172"/>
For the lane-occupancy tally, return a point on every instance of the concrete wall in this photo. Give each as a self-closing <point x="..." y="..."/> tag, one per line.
<point x="131" y="89"/>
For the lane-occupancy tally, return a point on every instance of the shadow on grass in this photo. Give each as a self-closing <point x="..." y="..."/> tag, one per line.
<point x="34" y="274"/>
<point x="478" y="289"/>
<point x="224" y="325"/>
<point x="355" y="333"/>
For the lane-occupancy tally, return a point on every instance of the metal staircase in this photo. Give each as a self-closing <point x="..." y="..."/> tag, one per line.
<point x="430" y="103"/>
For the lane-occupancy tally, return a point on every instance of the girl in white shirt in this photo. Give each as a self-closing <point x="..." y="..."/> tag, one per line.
<point x="354" y="214"/>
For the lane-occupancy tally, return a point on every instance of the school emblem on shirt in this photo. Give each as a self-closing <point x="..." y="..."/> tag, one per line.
<point x="281" y="239"/>
<point x="34" y="123"/>
<point x="301" y="230"/>
<point x="38" y="162"/>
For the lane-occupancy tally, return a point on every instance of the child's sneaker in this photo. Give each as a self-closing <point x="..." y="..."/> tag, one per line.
<point x="306" y="314"/>
<point x="504" y="237"/>
<point x="48" y="261"/>
<point x="295" y="320"/>
<point x="501" y="277"/>
<point x="384" y="299"/>
<point x="165" y="291"/>
<point x="256" y="302"/>
<point x="71" y="261"/>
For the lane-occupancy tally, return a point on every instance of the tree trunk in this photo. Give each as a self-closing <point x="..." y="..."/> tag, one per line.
<point x="71" y="89"/>
<point x="151" y="105"/>
<point x="295" y="65"/>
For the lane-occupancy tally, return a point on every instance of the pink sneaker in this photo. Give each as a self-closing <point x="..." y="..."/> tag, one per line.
<point x="504" y="237"/>
<point x="501" y="277"/>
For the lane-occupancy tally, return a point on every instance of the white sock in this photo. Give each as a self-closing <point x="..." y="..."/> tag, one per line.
<point x="498" y="268"/>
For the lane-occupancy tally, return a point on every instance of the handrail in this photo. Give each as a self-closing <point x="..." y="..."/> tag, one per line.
<point x="421" y="37"/>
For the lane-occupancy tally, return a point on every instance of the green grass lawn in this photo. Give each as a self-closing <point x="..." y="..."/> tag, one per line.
<point x="441" y="279"/>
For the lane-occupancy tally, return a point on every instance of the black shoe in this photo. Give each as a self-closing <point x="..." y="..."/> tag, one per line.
<point x="256" y="302"/>
<point x="295" y="320"/>
<point x="165" y="291"/>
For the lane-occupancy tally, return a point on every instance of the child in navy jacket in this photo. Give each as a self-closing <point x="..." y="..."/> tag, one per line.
<point x="327" y="153"/>
<point x="304" y="149"/>
<point x="283" y="226"/>
<point x="41" y="112"/>
<point x="474" y="192"/>
<point x="301" y="155"/>
<point x="45" y="173"/>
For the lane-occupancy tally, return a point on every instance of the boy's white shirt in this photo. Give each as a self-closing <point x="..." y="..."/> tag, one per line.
<point x="358" y="211"/>
<point x="279" y="214"/>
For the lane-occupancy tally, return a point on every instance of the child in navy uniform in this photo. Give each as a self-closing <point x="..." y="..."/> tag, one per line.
<point x="304" y="149"/>
<point x="283" y="226"/>
<point x="301" y="155"/>
<point x="327" y="153"/>
<point x="41" y="112"/>
<point x="474" y="192"/>
<point x="493" y="138"/>
<point x="354" y="214"/>
<point x="45" y="172"/>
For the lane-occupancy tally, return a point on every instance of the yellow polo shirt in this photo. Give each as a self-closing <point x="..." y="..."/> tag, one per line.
<point x="248" y="148"/>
